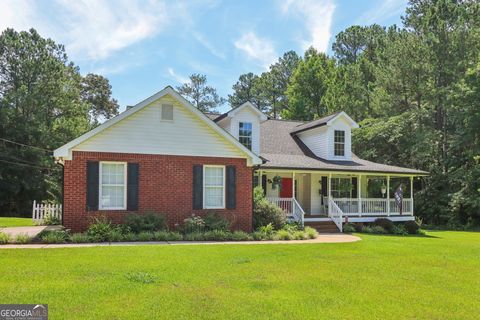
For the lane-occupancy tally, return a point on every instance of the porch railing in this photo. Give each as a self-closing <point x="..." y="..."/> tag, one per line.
<point x="298" y="213"/>
<point x="291" y="207"/>
<point x="373" y="206"/>
<point x="336" y="214"/>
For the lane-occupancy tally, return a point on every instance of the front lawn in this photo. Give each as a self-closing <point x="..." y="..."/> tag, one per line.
<point x="380" y="277"/>
<point x="15" y="222"/>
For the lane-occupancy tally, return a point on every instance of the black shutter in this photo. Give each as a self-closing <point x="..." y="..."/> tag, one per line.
<point x="231" y="191"/>
<point x="324" y="186"/>
<point x="198" y="186"/>
<point x="354" y="187"/>
<point x="92" y="185"/>
<point x="132" y="186"/>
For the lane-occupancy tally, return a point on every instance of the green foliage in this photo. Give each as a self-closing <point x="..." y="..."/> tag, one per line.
<point x="385" y="223"/>
<point x="146" y="222"/>
<point x="161" y="235"/>
<point x="174" y="236"/>
<point x="145" y="236"/>
<point x="4" y="238"/>
<point x="194" y="224"/>
<point x="311" y="232"/>
<point x="216" y="221"/>
<point x="22" y="238"/>
<point x="267" y="229"/>
<point x="129" y="237"/>
<point x="79" y="238"/>
<point x="283" y="235"/>
<point x="240" y="236"/>
<point x="201" y="95"/>
<point x="349" y="228"/>
<point x="194" y="236"/>
<point x="374" y="230"/>
<point x="115" y="235"/>
<point x="264" y="213"/>
<point x="217" y="235"/>
<point x="60" y="236"/>
<point x="399" y="229"/>
<point x="412" y="227"/>
<point x="100" y="228"/>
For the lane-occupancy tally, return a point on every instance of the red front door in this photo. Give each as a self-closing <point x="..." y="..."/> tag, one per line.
<point x="286" y="191"/>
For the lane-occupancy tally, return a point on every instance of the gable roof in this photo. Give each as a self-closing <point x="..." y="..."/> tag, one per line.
<point x="235" y="110"/>
<point x="65" y="150"/>
<point x="327" y="120"/>
<point x="283" y="150"/>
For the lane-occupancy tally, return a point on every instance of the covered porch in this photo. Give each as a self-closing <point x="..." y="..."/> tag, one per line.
<point x="337" y="196"/>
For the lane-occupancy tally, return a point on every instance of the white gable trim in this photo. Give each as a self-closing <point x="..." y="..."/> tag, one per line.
<point x="249" y="105"/>
<point x="65" y="151"/>
<point x="353" y="124"/>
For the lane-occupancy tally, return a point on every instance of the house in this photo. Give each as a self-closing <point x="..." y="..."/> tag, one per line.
<point x="164" y="155"/>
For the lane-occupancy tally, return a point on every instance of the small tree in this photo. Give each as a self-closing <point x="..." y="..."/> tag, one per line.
<point x="202" y="96"/>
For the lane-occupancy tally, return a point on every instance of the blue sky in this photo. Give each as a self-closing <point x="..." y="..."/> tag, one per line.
<point x="143" y="46"/>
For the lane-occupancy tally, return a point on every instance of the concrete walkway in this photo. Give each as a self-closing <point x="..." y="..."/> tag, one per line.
<point x="31" y="231"/>
<point x="322" y="238"/>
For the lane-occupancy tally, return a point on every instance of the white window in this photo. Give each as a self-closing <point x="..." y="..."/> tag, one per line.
<point x="113" y="186"/>
<point x="167" y="112"/>
<point x="213" y="187"/>
<point x="339" y="143"/>
<point x="245" y="134"/>
<point x="341" y="187"/>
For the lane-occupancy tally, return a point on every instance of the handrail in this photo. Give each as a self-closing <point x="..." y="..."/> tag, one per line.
<point x="298" y="212"/>
<point x="335" y="213"/>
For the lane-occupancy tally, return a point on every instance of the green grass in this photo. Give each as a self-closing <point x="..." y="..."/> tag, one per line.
<point x="15" y="222"/>
<point x="380" y="277"/>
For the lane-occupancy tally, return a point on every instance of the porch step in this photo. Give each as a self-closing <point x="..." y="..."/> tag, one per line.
<point x="323" y="226"/>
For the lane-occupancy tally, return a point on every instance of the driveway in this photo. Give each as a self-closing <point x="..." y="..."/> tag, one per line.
<point x="31" y="231"/>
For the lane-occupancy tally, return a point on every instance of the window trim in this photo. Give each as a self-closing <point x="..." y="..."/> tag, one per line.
<point x="340" y="143"/>
<point x="100" y="206"/>
<point x="339" y="189"/>
<point x="161" y="112"/>
<point x="224" y="187"/>
<point x="251" y="134"/>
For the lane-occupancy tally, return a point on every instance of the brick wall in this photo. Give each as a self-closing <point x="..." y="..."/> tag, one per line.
<point x="165" y="186"/>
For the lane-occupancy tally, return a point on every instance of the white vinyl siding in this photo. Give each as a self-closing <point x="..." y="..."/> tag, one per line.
<point x="167" y="112"/>
<point x="316" y="140"/>
<point x="144" y="133"/>
<point x="112" y="186"/>
<point x="214" y="187"/>
<point x="246" y="116"/>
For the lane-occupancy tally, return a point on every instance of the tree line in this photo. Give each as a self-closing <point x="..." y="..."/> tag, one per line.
<point x="414" y="89"/>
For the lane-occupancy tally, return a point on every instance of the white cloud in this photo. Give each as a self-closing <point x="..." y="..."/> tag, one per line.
<point x="388" y="9"/>
<point x="177" y="77"/>
<point x="208" y="45"/>
<point x="256" y="48"/>
<point x="90" y="29"/>
<point x="318" y="16"/>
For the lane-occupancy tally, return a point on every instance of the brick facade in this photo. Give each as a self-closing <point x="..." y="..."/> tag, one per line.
<point x="165" y="186"/>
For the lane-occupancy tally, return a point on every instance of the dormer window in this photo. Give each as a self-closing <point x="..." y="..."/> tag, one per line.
<point x="245" y="134"/>
<point x="339" y="143"/>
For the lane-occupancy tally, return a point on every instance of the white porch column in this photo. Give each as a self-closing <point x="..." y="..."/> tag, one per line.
<point x="411" y="194"/>
<point x="329" y="192"/>
<point x="388" y="195"/>
<point x="359" y="194"/>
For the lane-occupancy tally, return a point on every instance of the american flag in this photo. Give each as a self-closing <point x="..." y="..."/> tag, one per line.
<point x="399" y="197"/>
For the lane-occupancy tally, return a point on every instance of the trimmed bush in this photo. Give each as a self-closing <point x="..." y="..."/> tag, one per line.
<point x="299" y="235"/>
<point x="4" y="238"/>
<point x="99" y="229"/>
<point x="259" y="236"/>
<point x="79" y="238"/>
<point x="412" y="227"/>
<point x="174" y="236"/>
<point x="264" y="213"/>
<point x="115" y="235"/>
<point x="311" y="232"/>
<point x="399" y="229"/>
<point x="129" y="236"/>
<point x="194" y="224"/>
<point x="160" y="235"/>
<point x="283" y="235"/>
<point x="349" y="228"/>
<point x="385" y="223"/>
<point x="240" y="236"/>
<point x="374" y="230"/>
<point x="217" y="235"/>
<point x="216" y="221"/>
<point x="145" y="236"/>
<point x="146" y="222"/>
<point x="194" y="236"/>
<point x="22" y="238"/>
<point x="54" y="236"/>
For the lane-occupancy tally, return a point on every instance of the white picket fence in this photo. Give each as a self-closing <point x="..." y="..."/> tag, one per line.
<point x="41" y="210"/>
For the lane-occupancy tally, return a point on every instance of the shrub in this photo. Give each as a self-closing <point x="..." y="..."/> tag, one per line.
<point x="146" y="222"/>
<point x="115" y="235"/>
<point x="349" y="228"/>
<point x="299" y="235"/>
<point x="4" y="238"/>
<point x="160" y="236"/>
<point x="385" y="223"/>
<point x="265" y="213"/>
<point x="194" y="236"/>
<point x="174" y="236"/>
<point x="412" y="227"/>
<point x="129" y="236"/>
<point x="258" y="236"/>
<point x="240" y="236"/>
<point x="50" y="220"/>
<point x="217" y="235"/>
<point x="400" y="230"/>
<point x="374" y="229"/>
<point x="22" y="238"/>
<point x="283" y="235"/>
<point x="311" y="232"/>
<point x="79" y="238"/>
<point x="54" y="236"/>
<point x="145" y="236"/>
<point x="99" y="229"/>
<point x="268" y="229"/>
<point x="194" y="224"/>
<point x="216" y="221"/>
<point x="290" y="227"/>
